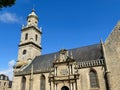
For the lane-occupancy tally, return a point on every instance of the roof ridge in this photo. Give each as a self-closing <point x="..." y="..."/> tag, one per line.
<point x="69" y="49"/>
<point x="84" y="46"/>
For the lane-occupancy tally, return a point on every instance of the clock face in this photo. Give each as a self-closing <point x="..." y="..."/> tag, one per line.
<point x="64" y="72"/>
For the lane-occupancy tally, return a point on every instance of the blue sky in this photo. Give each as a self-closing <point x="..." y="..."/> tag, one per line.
<point x="66" y="24"/>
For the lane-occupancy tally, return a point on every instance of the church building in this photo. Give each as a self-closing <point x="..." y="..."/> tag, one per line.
<point x="93" y="67"/>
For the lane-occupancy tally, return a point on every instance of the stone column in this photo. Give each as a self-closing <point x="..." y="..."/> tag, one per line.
<point x="108" y="77"/>
<point x="55" y="88"/>
<point x="70" y="69"/>
<point x="78" y="84"/>
<point x="55" y="71"/>
<point x="108" y="81"/>
<point x="52" y="86"/>
<point x="71" y="87"/>
<point x="74" y="85"/>
<point x="27" y="83"/>
<point x="31" y="84"/>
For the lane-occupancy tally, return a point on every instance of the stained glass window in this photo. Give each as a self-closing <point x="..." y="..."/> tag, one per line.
<point x="93" y="79"/>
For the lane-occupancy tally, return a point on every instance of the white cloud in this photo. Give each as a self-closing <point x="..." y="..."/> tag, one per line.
<point x="9" y="71"/>
<point x="11" y="63"/>
<point x="7" y="17"/>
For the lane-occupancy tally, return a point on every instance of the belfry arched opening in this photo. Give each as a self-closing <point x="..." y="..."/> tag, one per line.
<point x="64" y="88"/>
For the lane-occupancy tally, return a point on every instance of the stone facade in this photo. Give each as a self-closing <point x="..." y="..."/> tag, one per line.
<point x="112" y="51"/>
<point x="94" y="67"/>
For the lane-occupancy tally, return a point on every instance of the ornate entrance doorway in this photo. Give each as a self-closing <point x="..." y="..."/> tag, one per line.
<point x="64" y="88"/>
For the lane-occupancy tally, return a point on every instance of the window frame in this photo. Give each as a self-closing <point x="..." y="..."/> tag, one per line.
<point x="42" y="81"/>
<point x="24" y="52"/>
<point x="36" y="37"/>
<point x="26" y="36"/>
<point x="93" y="77"/>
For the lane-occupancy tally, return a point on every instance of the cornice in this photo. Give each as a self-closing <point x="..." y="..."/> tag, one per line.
<point x="27" y="28"/>
<point x="27" y="43"/>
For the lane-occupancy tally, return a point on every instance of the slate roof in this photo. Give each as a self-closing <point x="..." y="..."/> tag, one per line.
<point x="82" y="54"/>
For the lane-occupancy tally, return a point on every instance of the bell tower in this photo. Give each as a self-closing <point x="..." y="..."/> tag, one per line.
<point x="30" y="42"/>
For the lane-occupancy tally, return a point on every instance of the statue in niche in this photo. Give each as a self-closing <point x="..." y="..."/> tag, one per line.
<point x="63" y="54"/>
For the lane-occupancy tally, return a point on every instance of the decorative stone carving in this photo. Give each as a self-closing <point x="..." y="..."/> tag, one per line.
<point x="63" y="55"/>
<point x="64" y="72"/>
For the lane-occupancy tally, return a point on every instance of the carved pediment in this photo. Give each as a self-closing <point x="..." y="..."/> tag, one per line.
<point x="63" y="56"/>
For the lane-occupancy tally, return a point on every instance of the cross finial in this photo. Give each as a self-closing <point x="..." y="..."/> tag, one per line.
<point x="33" y="10"/>
<point x="33" y="7"/>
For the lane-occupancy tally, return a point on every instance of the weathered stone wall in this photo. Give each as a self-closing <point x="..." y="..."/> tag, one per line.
<point x="112" y="51"/>
<point x="16" y="85"/>
<point x="83" y="83"/>
<point x="32" y="50"/>
<point x="84" y="80"/>
<point x="36" y="82"/>
<point x="4" y="85"/>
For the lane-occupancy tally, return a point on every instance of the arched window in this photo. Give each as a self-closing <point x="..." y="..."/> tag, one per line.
<point x="42" y="82"/>
<point x="29" y="21"/>
<point x="23" y="83"/>
<point x="93" y="79"/>
<point x="4" y="83"/>
<point x="26" y="36"/>
<point x="24" y="52"/>
<point x="36" y="22"/>
<point x="36" y="37"/>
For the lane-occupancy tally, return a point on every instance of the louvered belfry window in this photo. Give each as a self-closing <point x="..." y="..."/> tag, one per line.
<point x="93" y="79"/>
<point x="26" y="36"/>
<point x="42" y="83"/>
<point x="36" y="37"/>
<point x="24" y="52"/>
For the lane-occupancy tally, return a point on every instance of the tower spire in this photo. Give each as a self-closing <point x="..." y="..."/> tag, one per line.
<point x="33" y="10"/>
<point x="32" y="19"/>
